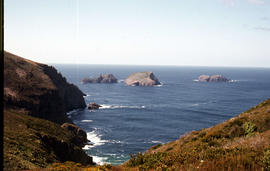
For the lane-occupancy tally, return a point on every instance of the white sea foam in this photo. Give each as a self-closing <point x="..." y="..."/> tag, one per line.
<point x="99" y="160"/>
<point x="196" y="80"/>
<point x="233" y="81"/>
<point x="161" y="84"/>
<point x="95" y="139"/>
<point x="86" y="120"/>
<point x="158" y="142"/>
<point x="106" y="106"/>
<point x="87" y="95"/>
<point x="120" y="81"/>
<point x="73" y="112"/>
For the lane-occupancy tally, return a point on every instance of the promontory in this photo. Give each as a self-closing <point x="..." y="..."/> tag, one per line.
<point x="36" y="99"/>
<point x="142" y="79"/>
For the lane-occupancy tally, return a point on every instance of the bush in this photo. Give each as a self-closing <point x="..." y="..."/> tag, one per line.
<point x="249" y="128"/>
<point x="266" y="160"/>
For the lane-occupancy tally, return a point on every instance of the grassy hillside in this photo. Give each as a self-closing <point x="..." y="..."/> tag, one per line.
<point x="241" y="143"/>
<point x="31" y="142"/>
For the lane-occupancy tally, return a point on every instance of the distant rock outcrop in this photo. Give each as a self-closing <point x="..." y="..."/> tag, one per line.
<point x="213" y="78"/>
<point x="39" y="89"/>
<point x="105" y="78"/>
<point x="142" y="79"/>
<point x="93" y="105"/>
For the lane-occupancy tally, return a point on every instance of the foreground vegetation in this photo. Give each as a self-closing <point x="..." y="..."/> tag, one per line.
<point x="30" y="143"/>
<point x="241" y="143"/>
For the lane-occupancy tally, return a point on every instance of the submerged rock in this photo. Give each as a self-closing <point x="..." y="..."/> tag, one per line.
<point x="105" y="78"/>
<point x="213" y="78"/>
<point x="93" y="105"/>
<point x="142" y="79"/>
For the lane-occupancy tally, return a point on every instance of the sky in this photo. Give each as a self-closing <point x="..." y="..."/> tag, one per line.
<point x="140" y="32"/>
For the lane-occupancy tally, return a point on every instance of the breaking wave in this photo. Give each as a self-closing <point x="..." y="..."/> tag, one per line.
<point x="105" y="106"/>
<point x="95" y="139"/>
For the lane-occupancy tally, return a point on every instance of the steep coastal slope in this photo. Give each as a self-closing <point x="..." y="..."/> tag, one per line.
<point x="30" y="143"/>
<point x="241" y="143"/>
<point x="33" y="91"/>
<point x="39" y="89"/>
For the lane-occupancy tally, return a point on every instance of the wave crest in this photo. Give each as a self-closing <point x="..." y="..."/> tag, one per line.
<point x="106" y="106"/>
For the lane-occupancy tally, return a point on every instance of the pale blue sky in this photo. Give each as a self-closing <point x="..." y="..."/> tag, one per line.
<point x="144" y="32"/>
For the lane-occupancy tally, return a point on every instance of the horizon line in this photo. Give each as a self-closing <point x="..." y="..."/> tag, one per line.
<point x="165" y="65"/>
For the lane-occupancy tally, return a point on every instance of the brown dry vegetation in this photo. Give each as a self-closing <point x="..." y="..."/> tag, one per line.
<point x="241" y="143"/>
<point x="27" y="143"/>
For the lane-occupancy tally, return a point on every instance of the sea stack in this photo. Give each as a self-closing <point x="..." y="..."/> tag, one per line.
<point x="142" y="79"/>
<point x="93" y="105"/>
<point x="103" y="78"/>
<point x="213" y="78"/>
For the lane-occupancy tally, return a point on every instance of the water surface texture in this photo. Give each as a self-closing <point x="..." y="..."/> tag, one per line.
<point x="133" y="119"/>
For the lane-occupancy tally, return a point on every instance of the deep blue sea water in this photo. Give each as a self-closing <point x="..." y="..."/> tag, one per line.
<point x="135" y="118"/>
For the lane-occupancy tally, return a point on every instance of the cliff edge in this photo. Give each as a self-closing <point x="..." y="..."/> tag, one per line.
<point x="39" y="89"/>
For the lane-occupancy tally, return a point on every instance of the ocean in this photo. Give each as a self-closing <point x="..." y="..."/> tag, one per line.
<point x="133" y="119"/>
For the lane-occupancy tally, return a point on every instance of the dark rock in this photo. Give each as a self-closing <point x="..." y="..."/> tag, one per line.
<point x="66" y="151"/>
<point x="106" y="78"/>
<point x="213" y="78"/>
<point x="39" y="89"/>
<point x="93" y="105"/>
<point x="79" y="135"/>
<point x="142" y="79"/>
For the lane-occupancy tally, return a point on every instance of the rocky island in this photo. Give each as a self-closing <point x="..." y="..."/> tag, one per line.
<point x="213" y="78"/>
<point x="142" y="79"/>
<point x="103" y="78"/>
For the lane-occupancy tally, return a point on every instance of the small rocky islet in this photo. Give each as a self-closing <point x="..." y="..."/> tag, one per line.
<point x="103" y="78"/>
<point x="142" y="79"/>
<point x="212" y="78"/>
<point x="93" y="106"/>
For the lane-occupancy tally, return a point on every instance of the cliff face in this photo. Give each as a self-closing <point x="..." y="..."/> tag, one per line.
<point x="39" y="89"/>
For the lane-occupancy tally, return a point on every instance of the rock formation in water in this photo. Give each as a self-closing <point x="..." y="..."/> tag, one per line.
<point x="142" y="79"/>
<point x="105" y="78"/>
<point x="93" y="105"/>
<point x="213" y="78"/>
<point x="39" y="89"/>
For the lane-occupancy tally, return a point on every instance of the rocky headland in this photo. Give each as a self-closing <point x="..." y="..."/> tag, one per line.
<point x="213" y="78"/>
<point x="142" y="79"/>
<point x="36" y="99"/>
<point x="39" y="89"/>
<point x="103" y="78"/>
